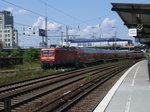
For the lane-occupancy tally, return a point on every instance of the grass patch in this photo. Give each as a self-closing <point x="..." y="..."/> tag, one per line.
<point x="27" y="65"/>
<point x="23" y="74"/>
<point x="19" y="74"/>
<point x="88" y="76"/>
<point x="27" y="70"/>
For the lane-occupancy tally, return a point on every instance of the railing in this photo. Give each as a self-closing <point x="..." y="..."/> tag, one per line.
<point x="5" y="62"/>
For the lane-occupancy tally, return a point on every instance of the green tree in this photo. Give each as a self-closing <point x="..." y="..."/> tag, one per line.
<point x="17" y="53"/>
<point x="3" y="54"/>
<point x="31" y="54"/>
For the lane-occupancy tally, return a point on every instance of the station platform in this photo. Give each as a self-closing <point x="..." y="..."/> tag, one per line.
<point x="131" y="93"/>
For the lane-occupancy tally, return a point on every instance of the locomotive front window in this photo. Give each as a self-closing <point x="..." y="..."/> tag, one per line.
<point x="47" y="52"/>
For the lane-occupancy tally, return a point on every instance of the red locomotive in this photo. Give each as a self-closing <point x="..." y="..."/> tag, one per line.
<point x="56" y="57"/>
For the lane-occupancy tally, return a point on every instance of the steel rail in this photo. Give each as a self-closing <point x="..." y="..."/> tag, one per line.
<point x="106" y="78"/>
<point x="40" y="79"/>
<point x="23" y="92"/>
<point x="61" y="97"/>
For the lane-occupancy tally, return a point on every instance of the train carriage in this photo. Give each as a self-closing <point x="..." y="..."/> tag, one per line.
<point x="58" y="57"/>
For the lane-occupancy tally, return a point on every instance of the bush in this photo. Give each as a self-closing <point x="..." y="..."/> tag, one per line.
<point x="3" y="54"/>
<point x="78" y="65"/>
<point x="31" y="54"/>
<point x="17" y="53"/>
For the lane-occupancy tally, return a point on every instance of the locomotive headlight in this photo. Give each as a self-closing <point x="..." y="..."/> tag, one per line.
<point x="43" y="57"/>
<point x="51" y="57"/>
<point x="47" y="57"/>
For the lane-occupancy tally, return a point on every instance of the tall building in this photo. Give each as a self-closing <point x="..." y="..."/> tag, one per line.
<point x="8" y="35"/>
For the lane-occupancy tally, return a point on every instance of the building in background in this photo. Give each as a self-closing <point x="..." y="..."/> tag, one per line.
<point x="8" y="35"/>
<point x="1" y="46"/>
<point x="102" y="42"/>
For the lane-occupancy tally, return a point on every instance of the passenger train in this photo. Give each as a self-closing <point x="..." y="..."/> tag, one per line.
<point x="59" y="57"/>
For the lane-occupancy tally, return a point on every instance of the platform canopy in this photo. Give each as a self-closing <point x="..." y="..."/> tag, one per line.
<point x="135" y="16"/>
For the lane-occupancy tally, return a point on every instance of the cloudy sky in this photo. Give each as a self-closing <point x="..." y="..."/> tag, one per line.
<point x="87" y="18"/>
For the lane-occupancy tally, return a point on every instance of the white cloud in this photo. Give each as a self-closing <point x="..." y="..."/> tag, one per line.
<point x="21" y="11"/>
<point x="105" y="29"/>
<point x="9" y="9"/>
<point x="40" y="23"/>
<point x="108" y="23"/>
<point x="53" y="26"/>
<point x="73" y="31"/>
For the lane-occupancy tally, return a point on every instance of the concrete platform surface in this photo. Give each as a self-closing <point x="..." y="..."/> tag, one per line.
<point x="131" y="93"/>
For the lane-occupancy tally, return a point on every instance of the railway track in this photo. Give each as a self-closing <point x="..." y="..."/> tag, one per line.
<point x="78" y="93"/>
<point x="53" y="91"/>
<point x="90" y="101"/>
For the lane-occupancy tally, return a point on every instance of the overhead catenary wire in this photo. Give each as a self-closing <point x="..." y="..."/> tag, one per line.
<point x="66" y="14"/>
<point x="33" y="12"/>
<point x="53" y="20"/>
<point x="3" y="6"/>
<point x="94" y="19"/>
<point x="36" y="13"/>
<point x="81" y="22"/>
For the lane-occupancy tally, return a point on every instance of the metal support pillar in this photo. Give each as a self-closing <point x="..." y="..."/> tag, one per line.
<point x="148" y="61"/>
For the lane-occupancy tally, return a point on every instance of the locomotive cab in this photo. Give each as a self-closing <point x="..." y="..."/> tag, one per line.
<point x="47" y="58"/>
<point x="47" y="55"/>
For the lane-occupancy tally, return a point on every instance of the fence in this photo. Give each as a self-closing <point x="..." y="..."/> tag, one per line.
<point x="5" y="62"/>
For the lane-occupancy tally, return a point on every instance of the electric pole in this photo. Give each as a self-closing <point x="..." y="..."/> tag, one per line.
<point x="62" y="38"/>
<point x="46" y="37"/>
<point x="67" y="36"/>
<point x="115" y="39"/>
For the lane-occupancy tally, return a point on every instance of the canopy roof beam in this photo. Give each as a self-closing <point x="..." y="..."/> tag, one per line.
<point x="132" y="10"/>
